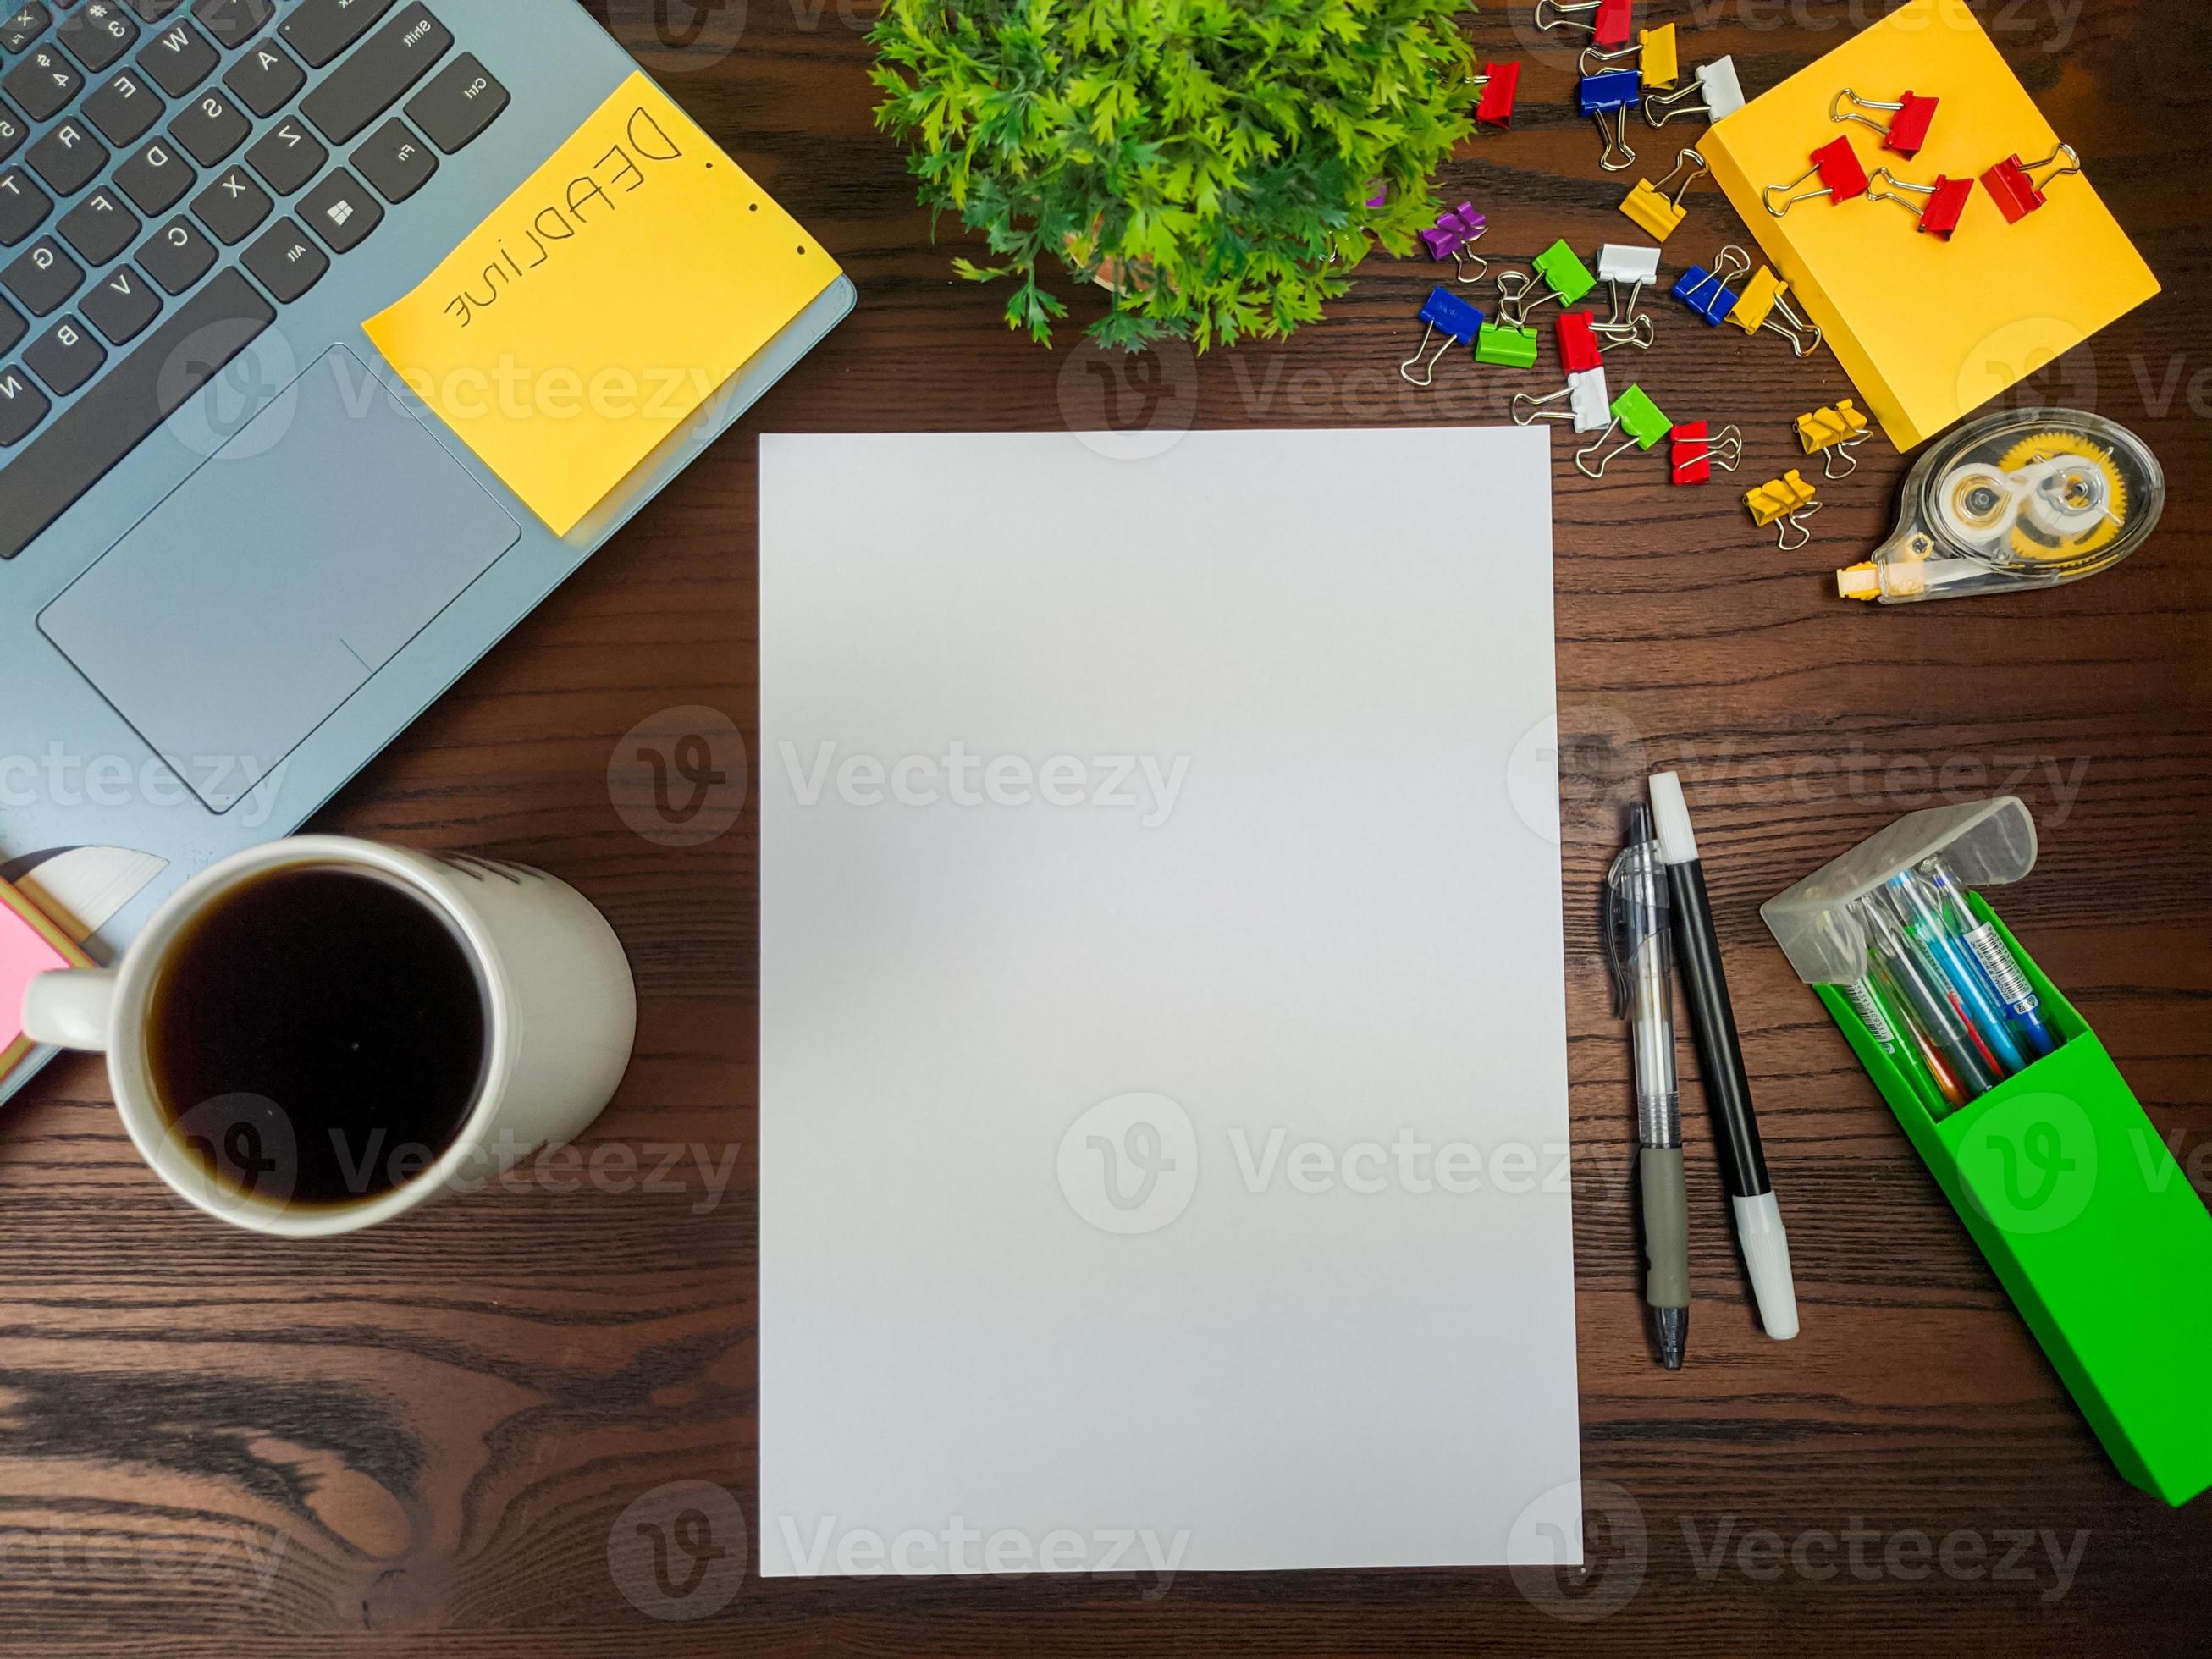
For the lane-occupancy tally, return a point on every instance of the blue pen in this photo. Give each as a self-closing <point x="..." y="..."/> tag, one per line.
<point x="1916" y="907"/>
<point x="1998" y="962"/>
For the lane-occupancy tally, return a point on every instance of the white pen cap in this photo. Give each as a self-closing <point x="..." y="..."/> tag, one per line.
<point x="1678" y="843"/>
<point x="1767" y="1254"/>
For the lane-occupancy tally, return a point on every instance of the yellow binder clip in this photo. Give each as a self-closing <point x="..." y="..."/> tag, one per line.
<point x="1787" y="501"/>
<point x="1651" y="207"/>
<point x="1764" y="304"/>
<point x="1654" y="51"/>
<point x="1832" y="434"/>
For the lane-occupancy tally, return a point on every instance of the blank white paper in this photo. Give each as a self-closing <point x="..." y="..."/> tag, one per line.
<point x="1164" y="1092"/>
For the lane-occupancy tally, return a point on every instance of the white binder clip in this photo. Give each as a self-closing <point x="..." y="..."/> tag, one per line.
<point x="1590" y="403"/>
<point x="1639" y="267"/>
<point x="1717" y="89"/>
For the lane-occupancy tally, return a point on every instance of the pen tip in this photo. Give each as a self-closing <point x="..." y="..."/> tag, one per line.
<point x="1671" y="1326"/>
<point x="1639" y="824"/>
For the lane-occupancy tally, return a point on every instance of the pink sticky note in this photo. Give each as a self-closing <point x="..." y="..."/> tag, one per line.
<point x="24" y="953"/>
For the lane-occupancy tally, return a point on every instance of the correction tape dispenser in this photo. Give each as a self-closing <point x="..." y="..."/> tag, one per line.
<point x="2027" y="498"/>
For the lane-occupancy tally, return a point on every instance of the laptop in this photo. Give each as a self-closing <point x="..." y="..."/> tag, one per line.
<point x="195" y="657"/>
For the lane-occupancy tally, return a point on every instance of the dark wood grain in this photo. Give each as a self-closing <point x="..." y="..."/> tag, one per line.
<point x="419" y="1439"/>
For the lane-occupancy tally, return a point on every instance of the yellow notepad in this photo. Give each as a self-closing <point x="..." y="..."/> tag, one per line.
<point x="1929" y="330"/>
<point x="602" y="303"/>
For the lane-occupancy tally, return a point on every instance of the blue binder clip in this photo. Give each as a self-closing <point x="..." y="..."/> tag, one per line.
<point x="1461" y="323"/>
<point x="1707" y="293"/>
<point x="1614" y="93"/>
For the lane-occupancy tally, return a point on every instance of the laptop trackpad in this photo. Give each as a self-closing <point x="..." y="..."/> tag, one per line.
<point x="241" y="613"/>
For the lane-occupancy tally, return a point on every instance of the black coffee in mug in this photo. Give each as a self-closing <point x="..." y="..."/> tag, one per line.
<point x="317" y="1033"/>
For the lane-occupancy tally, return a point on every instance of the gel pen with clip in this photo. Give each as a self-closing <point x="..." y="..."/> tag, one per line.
<point x="1641" y="954"/>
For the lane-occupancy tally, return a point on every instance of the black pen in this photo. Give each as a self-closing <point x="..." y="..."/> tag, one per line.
<point x="1720" y="1059"/>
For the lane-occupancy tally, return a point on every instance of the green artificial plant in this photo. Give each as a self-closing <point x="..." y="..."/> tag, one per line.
<point x="1210" y="160"/>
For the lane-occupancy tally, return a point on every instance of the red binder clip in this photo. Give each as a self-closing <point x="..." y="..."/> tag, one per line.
<point x="2018" y="191"/>
<point x="1694" y="455"/>
<point x="1608" y="23"/>
<point x="1939" y="212"/>
<point x="1498" y="84"/>
<point x="1578" y="346"/>
<point x="1906" y="129"/>
<point x="1837" y="166"/>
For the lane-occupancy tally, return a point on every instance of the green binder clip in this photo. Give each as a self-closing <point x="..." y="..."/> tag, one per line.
<point x="1634" y="413"/>
<point x="1501" y="343"/>
<point x="2060" y="1179"/>
<point x="1566" y="277"/>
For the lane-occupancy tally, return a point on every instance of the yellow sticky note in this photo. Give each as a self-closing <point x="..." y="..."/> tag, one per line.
<point x="1927" y="329"/>
<point x="602" y="303"/>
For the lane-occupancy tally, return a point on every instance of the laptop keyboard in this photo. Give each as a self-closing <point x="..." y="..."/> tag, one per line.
<point x="252" y="143"/>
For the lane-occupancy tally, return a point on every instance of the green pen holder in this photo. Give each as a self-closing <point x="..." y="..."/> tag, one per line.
<point x="2074" y="1199"/>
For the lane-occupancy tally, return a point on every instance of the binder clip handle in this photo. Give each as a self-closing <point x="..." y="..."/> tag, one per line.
<point x="1805" y="337"/>
<point x="1616" y="157"/>
<point x="1514" y="304"/>
<point x="1795" y="522"/>
<point x="1684" y="158"/>
<point x="1528" y="407"/>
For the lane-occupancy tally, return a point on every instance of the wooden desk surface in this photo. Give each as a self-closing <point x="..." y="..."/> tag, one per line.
<point x="423" y="1438"/>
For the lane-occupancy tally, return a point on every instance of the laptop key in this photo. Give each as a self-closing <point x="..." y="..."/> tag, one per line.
<point x="179" y="58"/>
<point x="100" y="227"/>
<point x="125" y="109"/>
<point x="24" y="25"/>
<point x="377" y="74"/>
<point x="68" y="158"/>
<point x="177" y="255"/>
<point x="288" y="264"/>
<point x="233" y="22"/>
<point x="139" y="391"/>
<point x="23" y="206"/>
<point x="12" y="327"/>
<point x="42" y="83"/>
<point x="152" y="11"/>
<point x="342" y="212"/>
<point x="120" y="304"/>
<point x="287" y="156"/>
<point x="395" y="160"/>
<point x="156" y="178"/>
<point x="233" y="206"/>
<point x="65" y="356"/>
<point x="99" y="35"/>
<point x="265" y="78"/>
<point x="13" y="131"/>
<point x="22" y="406"/>
<point x="43" y="279"/>
<point x="211" y="126"/>
<point x="459" y="104"/>
<point x="318" y="30"/>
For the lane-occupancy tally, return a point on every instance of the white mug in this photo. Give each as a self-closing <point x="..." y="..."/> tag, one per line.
<point x="561" y="1020"/>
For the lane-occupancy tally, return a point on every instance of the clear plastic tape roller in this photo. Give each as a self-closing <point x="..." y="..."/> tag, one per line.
<point x="2027" y="498"/>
